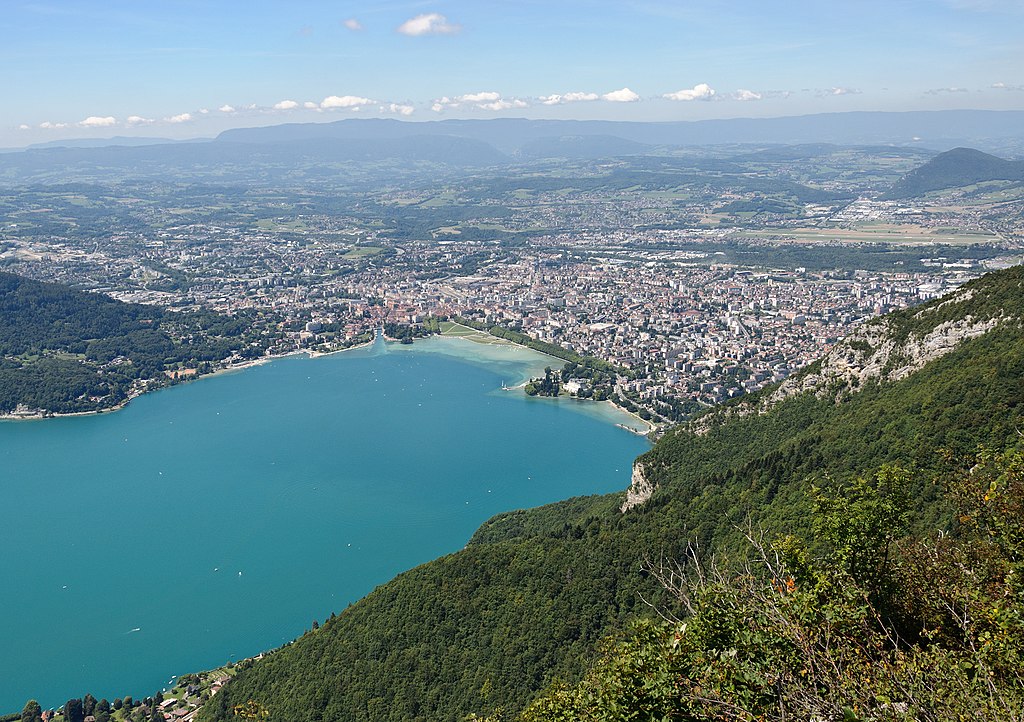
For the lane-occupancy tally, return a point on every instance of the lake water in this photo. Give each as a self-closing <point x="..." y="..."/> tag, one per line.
<point x="214" y="520"/>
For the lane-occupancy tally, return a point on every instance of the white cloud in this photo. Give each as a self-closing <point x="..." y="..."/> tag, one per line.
<point x="138" y="120"/>
<point x="24" y="127"/>
<point x="1004" y="86"/>
<point x="180" y="118"/>
<point x="745" y="95"/>
<point x="446" y="102"/>
<point x="352" y="24"/>
<point x="557" y="99"/>
<point x="47" y="125"/>
<point x="226" y="108"/>
<point x="700" y="91"/>
<point x="95" y="121"/>
<point x="625" y="95"/>
<point x="486" y="96"/>
<point x="286" y="105"/>
<point x="503" y="104"/>
<point x="840" y="91"/>
<point x="939" y="91"/>
<point x="397" y="109"/>
<point x="428" y="24"/>
<point x="484" y="100"/>
<point x="204" y="111"/>
<point x="353" y="102"/>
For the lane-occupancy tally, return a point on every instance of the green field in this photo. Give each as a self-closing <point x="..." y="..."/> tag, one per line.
<point x="449" y="328"/>
<point x="363" y="252"/>
<point x="887" y="234"/>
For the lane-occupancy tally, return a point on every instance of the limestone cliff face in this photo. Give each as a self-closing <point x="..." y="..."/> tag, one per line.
<point x="640" y="488"/>
<point x="875" y="353"/>
<point x="893" y="347"/>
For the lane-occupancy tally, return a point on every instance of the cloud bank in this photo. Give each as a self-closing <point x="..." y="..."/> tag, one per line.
<point x="557" y="99"/>
<point x="485" y="100"/>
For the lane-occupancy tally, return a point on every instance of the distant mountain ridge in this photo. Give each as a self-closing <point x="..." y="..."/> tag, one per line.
<point x="930" y="129"/>
<point x="956" y="168"/>
<point x="119" y="140"/>
<point x="273" y="153"/>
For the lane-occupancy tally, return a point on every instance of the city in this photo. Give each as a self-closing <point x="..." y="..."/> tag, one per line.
<point x="686" y="323"/>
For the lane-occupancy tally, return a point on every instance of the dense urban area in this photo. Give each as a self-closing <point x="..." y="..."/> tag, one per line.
<point x="690" y="291"/>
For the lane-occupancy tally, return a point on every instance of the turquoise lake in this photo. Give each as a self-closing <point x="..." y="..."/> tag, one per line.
<point x="215" y="520"/>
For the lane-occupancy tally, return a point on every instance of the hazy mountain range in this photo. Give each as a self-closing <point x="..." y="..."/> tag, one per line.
<point x="485" y="142"/>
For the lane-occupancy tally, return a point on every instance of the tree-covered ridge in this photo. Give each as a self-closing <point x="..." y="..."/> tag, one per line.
<point x="880" y="626"/>
<point x="955" y="169"/>
<point x="64" y="351"/>
<point x="528" y="601"/>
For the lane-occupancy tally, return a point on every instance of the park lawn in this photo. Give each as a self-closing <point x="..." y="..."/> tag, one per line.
<point x="457" y="330"/>
<point x="363" y="251"/>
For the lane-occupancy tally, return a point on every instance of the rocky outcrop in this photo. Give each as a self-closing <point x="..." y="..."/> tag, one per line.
<point x="640" y="488"/>
<point x="875" y="353"/>
<point x="890" y="348"/>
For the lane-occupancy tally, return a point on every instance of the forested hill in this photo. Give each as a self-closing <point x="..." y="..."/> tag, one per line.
<point x="65" y="351"/>
<point x="956" y="168"/>
<point x="528" y="602"/>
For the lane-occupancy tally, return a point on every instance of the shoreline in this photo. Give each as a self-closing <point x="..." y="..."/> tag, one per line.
<point x="318" y="354"/>
<point x="647" y="427"/>
<point x="251" y="363"/>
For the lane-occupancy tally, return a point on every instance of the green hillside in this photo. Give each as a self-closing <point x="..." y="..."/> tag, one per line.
<point x="878" y="625"/>
<point x="528" y="602"/>
<point x="65" y="351"/>
<point x="956" y="168"/>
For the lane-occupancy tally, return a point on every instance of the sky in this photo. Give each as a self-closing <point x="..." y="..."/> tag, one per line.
<point x="192" y="68"/>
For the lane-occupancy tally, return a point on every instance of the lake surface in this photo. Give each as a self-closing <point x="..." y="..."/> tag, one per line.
<point x="211" y="521"/>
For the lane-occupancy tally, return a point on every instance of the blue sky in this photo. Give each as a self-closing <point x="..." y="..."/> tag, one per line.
<point x="187" y="68"/>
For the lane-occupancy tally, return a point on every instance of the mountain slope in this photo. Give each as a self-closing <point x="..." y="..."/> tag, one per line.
<point x="526" y="602"/>
<point x="955" y="169"/>
<point x="66" y="351"/>
<point x="580" y="146"/>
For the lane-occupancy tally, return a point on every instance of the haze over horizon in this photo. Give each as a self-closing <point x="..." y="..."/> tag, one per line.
<point x="185" y="69"/>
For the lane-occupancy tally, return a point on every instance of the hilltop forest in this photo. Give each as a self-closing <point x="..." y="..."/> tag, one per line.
<point x="66" y="351"/>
